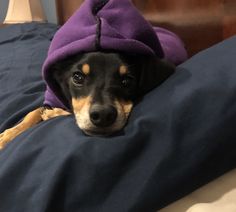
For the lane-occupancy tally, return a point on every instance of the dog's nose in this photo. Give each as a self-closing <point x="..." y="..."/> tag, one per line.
<point x="103" y="115"/>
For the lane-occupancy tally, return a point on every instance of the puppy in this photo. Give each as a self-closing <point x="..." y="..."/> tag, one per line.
<point x="100" y="89"/>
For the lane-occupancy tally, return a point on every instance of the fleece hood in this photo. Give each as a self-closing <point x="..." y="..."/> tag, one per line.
<point x="114" y="25"/>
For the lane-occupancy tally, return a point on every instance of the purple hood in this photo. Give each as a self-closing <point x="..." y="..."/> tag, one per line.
<point x="108" y="25"/>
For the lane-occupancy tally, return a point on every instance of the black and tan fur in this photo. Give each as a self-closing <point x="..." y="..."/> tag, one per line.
<point x="99" y="89"/>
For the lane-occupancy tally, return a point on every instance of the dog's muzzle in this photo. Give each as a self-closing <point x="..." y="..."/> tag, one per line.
<point x="98" y="119"/>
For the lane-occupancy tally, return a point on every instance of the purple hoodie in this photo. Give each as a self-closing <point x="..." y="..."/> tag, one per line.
<point x="114" y="25"/>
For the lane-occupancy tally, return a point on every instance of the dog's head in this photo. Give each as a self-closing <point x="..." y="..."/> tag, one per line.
<point x="101" y="88"/>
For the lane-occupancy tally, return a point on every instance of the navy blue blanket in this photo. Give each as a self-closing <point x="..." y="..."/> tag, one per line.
<point x="179" y="137"/>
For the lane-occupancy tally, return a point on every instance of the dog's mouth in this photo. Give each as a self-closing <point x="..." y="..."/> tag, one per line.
<point x="97" y="132"/>
<point x="92" y="130"/>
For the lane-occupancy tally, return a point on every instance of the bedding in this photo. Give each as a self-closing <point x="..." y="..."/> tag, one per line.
<point x="179" y="137"/>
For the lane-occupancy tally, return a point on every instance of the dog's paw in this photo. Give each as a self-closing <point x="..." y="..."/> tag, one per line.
<point x="51" y="113"/>
<point x="6" y="137"/>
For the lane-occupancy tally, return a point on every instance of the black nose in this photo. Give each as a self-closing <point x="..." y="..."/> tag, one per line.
<point x="102" y="115"/>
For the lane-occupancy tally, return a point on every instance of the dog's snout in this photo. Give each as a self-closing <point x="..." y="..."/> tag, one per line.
<point x="103" y="115"/>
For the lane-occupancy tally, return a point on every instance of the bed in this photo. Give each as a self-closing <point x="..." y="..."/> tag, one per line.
<point x="179" y="137"/>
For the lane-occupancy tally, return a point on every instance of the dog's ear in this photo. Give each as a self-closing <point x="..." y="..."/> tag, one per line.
<point x="153" y="72"/>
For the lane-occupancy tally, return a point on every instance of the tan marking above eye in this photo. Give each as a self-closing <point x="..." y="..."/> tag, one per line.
<point x="79" y="103"/>
<point x="123" y="70"/>
<point x="86" y="69"/>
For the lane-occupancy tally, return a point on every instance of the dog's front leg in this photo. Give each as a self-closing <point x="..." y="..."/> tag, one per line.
<point x="29" y="120"/>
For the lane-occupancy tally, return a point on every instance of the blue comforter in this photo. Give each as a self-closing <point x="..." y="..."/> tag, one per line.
<point x="179" y="137"/>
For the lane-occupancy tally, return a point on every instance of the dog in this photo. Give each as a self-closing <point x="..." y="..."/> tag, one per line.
<point x="100" y="88"/>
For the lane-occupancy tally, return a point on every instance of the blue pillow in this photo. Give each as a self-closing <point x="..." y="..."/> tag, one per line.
<point x="179" y="137"/>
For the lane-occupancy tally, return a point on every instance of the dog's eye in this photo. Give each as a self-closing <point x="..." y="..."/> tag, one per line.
<point x="126" y="81"/>
<point x="78" y="78"/>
